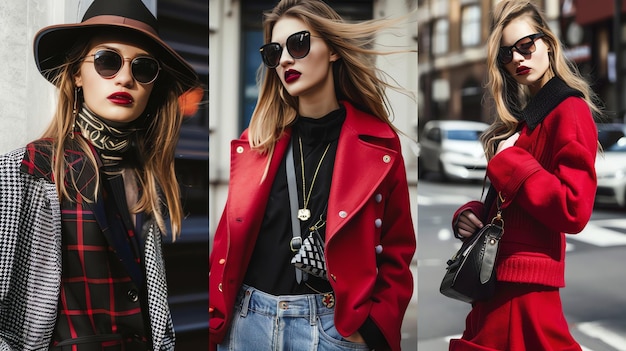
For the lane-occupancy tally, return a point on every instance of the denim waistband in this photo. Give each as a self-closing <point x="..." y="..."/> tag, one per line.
<point x="309" y="305"/>
<point x="102" y="342"/>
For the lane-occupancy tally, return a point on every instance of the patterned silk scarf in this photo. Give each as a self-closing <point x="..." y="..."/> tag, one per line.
<point x="113" y="140"/>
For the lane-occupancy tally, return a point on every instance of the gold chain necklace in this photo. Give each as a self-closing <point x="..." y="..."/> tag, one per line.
<point x="304" y="213"/>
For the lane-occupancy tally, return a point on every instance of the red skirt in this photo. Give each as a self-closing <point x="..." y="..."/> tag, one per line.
<point x="520" y="317"/>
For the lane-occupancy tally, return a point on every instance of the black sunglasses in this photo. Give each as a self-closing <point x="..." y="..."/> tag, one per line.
<point x="145" y="69"/>
<point x="524" y="46"/>
<point x="298" y="46"/>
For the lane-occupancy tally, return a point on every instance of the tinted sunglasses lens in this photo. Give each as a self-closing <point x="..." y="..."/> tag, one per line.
<point x="107" y="63"/>
<point x="505" y="55"/>
<point x="299" y="45"/>
<point x="270" y="53"/>
<point x="526" y="46"/>
<point x="145" y="69"/>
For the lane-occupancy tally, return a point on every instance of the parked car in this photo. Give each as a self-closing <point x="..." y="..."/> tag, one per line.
<point x="611" y="165"/>
<point x="452" y="148"/>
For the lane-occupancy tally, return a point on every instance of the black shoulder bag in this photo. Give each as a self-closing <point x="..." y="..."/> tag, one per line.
<point x="471" y="273"/>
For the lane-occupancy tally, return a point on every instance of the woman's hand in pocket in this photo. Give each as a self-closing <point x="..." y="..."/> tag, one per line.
<point x="356" y="338"/>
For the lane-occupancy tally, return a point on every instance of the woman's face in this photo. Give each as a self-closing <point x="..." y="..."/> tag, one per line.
<point x="529" y="69"/>
<point x="119" y="98"/>
<point x="310" y="76"/>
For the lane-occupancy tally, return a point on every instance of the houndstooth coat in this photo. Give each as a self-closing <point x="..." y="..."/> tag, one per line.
<point x="30" y="263"/>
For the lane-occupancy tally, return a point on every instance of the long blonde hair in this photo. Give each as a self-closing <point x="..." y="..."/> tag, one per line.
<point x="356" y="77"/>
<point x="510" y="96"/>
<point x="156" y="144"/>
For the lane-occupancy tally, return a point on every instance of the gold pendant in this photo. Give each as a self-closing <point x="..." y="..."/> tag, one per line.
<point x="304" y="214"/>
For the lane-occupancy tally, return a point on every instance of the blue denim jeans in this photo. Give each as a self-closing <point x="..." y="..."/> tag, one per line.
<point x="264" y="322"/>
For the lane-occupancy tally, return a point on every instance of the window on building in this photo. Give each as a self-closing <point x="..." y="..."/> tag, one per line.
<point x="440" y="7"/>
<point x="470" y="26"/>
<point x="440" y="36"/>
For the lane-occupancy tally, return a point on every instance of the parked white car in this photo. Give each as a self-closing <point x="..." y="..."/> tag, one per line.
<point x="611" y="165"/>
<point x="452" y="148"/>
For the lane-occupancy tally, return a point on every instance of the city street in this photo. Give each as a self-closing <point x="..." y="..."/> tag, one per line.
<point x="594" y="299"/>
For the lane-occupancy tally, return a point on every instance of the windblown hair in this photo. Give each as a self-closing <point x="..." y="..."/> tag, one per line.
<point x="511" y="97"/>
<point x="356" y="77"/>
<point x="156" y="143"/>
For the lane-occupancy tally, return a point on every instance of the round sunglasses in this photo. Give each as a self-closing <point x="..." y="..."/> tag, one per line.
<point x="108" y="63"/>
<point x="524" y="46"/>
<point x="298" y="46"/>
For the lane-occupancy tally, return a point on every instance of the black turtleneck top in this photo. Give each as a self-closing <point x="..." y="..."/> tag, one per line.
<point x="270" y="269"/>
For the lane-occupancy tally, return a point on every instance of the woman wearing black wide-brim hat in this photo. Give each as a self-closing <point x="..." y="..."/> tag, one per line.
<point x="83" y="209"/>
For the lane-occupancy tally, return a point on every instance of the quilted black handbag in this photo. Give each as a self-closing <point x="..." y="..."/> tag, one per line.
<point x="471" y="274"/>
<point x="310" y="255"/>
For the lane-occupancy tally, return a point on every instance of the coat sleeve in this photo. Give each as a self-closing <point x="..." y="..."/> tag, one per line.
<point x="218" y="316"/>
<point x="163" y="335"/>
<point x="558" y="187"/>
<point x="476" y="207"/>
<point x="30" y="257"/>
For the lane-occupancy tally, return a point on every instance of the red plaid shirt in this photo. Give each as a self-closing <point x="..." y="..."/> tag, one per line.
<point x="102" y="291"/>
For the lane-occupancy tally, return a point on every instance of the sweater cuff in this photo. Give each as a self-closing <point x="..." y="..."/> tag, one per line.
<point x="373" y="337"/>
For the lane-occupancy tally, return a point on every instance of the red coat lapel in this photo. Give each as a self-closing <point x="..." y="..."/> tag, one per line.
<point x="360" y="166"/>
<point x="246" y="206"/>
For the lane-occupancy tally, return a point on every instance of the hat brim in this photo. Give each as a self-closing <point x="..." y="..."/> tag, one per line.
<point x="52" y="43"/>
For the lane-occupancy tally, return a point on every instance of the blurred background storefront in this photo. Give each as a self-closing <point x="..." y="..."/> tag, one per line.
<point x="452" y="68"/>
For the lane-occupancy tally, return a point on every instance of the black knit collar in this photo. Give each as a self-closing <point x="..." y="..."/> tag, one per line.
<point x="321" y="130"/>
<point x="546" y="100"/>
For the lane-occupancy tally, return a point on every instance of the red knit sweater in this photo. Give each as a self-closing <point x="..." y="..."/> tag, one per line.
<point x="548" y="181"/>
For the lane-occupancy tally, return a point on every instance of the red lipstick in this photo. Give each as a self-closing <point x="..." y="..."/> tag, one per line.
<point x="522" y="70"/>
<point x="292" y="75"/>
<point x="121" y="98"/>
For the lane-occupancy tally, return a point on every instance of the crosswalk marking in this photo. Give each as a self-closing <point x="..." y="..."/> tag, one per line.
<point x="609" y="337"/>
<point x="442" y="199"/>
<point x="611" y="222"/>
<point x="600" y="236"/>
<point x="595" y="233"/>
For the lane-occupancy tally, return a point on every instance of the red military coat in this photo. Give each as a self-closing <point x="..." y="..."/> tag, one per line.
<point x="368" y="206"/>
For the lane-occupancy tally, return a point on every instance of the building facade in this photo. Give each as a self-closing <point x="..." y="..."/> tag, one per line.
<point x="452" y="69"/>
<point x="592" y="28"/>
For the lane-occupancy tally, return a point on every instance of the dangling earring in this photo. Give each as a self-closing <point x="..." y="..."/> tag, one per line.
<point x="74" y="111"/>
<point x="75" y="107"/>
